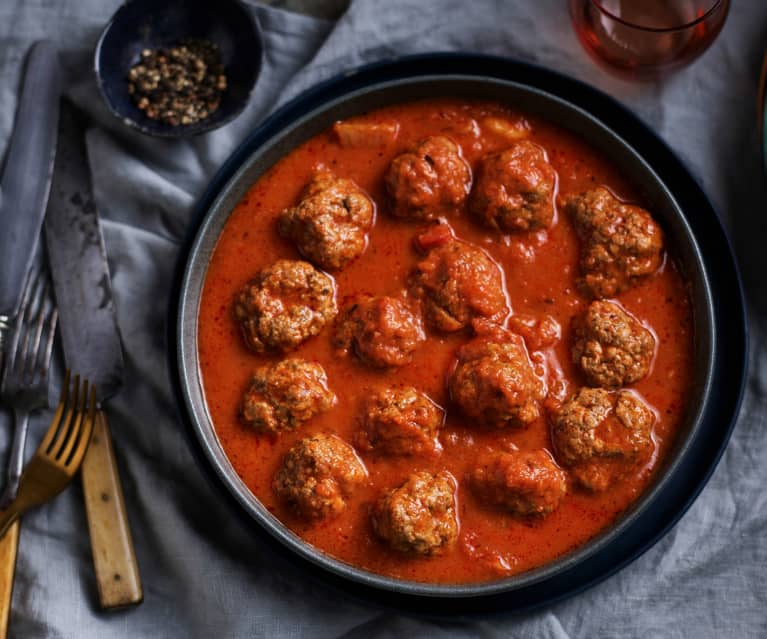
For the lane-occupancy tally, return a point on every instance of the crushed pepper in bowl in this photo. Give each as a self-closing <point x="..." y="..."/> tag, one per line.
<point x="180" y="85"/>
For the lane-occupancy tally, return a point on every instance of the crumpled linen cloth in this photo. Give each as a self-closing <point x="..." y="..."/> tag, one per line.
<point x="203" y="573"/>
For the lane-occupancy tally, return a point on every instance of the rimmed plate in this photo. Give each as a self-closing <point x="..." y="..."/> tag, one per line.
<point x="699" y="238"/>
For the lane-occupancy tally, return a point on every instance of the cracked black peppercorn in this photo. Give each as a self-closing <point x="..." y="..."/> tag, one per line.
<point x="180" y="85"/>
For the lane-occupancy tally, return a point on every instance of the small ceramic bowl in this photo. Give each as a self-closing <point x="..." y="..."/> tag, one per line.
<point x="148" y="24"/>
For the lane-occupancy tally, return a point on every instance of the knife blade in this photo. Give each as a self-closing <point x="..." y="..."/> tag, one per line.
<point x="93" y="347"/>
<point x="24" y="190"/>
<point x="27" y="175"/>
<point x="89" y="333"/>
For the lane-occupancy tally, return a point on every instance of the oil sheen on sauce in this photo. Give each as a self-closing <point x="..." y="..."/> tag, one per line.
<point x="540" y="271"/>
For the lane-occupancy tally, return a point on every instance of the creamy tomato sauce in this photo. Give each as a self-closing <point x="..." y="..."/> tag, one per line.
<point x="540" y="273"/>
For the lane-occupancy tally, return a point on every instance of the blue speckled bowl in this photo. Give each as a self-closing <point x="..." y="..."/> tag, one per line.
<point x="149" y="24"/>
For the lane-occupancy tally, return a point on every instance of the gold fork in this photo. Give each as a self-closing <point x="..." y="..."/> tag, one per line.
<point x="58" y="458"/>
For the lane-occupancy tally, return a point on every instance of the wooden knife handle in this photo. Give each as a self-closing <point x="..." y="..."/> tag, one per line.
<point x="117" y="576"/>
<point x="9" y="544"/>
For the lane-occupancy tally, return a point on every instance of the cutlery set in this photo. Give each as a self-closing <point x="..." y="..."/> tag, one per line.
<point x="83" y="312"/>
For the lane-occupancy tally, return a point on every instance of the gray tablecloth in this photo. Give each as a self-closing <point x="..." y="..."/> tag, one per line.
<point x="204" y="574"/>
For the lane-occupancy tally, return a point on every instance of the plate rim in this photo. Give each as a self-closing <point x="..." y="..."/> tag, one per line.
<point x="476" y="65"/>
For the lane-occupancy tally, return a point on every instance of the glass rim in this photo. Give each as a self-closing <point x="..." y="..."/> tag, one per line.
<point x="715" y="7"/>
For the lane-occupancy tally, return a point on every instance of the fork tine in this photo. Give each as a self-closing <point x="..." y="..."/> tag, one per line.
<point x="36" y="317"/>
<point x="76" y="457"/>
<point x="45" y="329"/>
<point x="64" y="454"/>
<point x="61" y="437"/>
<point x="26" y="317"/>
<point x="13" y="350"/>
<point x="44" y="361"/>
<point x="56" y="422"/>
<point x="39" y="316"/>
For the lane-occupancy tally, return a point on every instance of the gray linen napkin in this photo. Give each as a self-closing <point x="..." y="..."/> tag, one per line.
<point x="204" y="574"/>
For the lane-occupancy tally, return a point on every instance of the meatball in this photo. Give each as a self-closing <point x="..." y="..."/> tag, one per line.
<point x="382" y="331"/>
<point x="494" y="382"/>
<point x="284" y="395"/>
<point x="457" y="282"/>
<point x="318" y="475"/>
<point x="285" y="305"/>
<point x="611" y="347"/>
<point x="514" y="189"/>
<point x="400" y="421"/>
<point x="620" y="243"/>
<point x="419" y="517"/>
<point x="330" y="223"/>
<point x="601" y="436"/>
<point x="525" y="483"/>
<point x="429" y="180"/>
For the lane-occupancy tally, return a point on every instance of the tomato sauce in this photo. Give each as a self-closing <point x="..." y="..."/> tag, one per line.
<point x="540" y="272"/>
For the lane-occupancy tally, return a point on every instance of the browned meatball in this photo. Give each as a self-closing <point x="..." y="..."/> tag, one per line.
<point x="318" y="475"/>
<point x="457" y="282"/>
<point x="419" y="516"/>
<point x="620" y="243"/>
<point x="286" y="304"/>
<point x="523" y="482"/>
<point x="514" y="189"/>
<point x="494" y="382"/>
<point x="601" y="436"/>
<point x="330" y="223"/>
<point x="382" y="331"/>
<point x="400" y="421"/>
<point x="611" y="347"/>
<point x="285" y="394"/>
<point x="429" y="180"/>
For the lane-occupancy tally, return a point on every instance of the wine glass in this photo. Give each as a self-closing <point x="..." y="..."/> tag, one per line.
<point x="644" y="39"/>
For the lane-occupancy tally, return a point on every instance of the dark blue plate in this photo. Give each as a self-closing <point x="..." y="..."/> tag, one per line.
<point x="725" y="360"/>
<point x="151" y="24"/>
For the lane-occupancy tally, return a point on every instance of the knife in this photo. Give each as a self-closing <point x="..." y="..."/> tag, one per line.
<point x="24" y="191"/>
<point x="92" y="346"/>
<point x="26" y="179"/>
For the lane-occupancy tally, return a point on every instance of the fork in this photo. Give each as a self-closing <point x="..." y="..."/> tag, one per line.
<point x="50" y="470"/>
<point x="61" y="452"/>
<point x="24" y="384"/>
